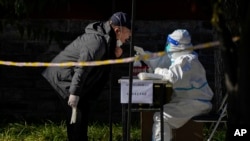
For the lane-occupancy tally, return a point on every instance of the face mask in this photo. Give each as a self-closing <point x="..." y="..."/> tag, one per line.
<point x="119" y="43"/>
<point x="169" y="53"/>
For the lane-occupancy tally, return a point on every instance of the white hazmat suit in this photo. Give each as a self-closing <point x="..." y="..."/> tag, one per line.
<point x="191" y="92"/>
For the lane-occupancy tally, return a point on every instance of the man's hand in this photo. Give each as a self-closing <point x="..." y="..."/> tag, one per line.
<point x="73" y="100"/>
<point x="118" y="52"/>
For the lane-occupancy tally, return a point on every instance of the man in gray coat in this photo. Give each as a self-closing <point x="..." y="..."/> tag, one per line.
<point x="74" y="84"/>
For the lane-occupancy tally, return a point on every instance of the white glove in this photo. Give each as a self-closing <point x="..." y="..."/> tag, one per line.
<point x="73" y="100"/>
<point x="139" y="50"/>
<point x="161" y="71"/>
<point x="158" y="70"/>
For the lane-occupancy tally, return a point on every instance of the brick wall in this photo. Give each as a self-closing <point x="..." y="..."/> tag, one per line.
<point x="26" y="95"/>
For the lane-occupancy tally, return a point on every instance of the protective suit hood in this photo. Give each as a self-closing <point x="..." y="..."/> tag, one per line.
<point x="178" y="43"/>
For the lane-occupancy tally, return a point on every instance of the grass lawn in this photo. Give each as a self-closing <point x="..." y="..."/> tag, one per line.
<point x="51" y="131"/>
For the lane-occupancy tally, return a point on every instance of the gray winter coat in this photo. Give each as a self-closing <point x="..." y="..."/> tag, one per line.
<point x="97" y="43"/>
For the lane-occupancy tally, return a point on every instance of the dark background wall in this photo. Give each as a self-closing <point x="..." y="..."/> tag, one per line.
<point x="95" y="9"/>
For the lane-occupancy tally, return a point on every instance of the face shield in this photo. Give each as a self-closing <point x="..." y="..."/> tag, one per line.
<point x="169" y="49"/>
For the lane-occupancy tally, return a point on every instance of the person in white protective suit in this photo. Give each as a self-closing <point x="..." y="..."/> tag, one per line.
<point x="191" y="92"/>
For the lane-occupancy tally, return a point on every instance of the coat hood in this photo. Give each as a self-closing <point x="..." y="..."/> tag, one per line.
<point x="103" y="29"/>
<point x="99" y="28"/>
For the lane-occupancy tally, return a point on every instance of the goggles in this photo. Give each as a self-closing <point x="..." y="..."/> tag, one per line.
<point x="172" y="41"/>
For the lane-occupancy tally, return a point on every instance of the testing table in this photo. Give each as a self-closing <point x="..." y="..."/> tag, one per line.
<point x="162" y="91"/>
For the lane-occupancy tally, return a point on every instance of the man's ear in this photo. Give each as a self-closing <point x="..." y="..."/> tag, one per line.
<point x="116" y="29"/>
